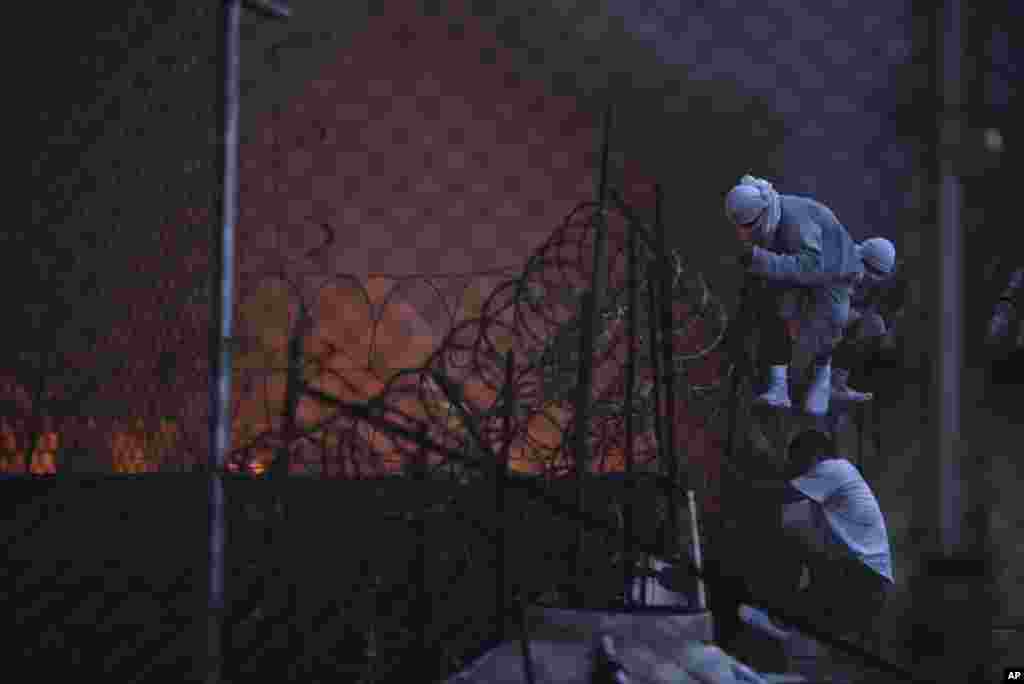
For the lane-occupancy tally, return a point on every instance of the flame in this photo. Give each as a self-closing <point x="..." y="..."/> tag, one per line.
<point x="403" y="339"/>
<point x="44" y="456"/>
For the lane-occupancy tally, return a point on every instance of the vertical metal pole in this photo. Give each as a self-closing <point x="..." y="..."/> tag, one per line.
<point x="651" y="276"/>
<point x="671" y="463"/>
<point x="948" y="605"/>
<point x="220" y="352"/>
<point x="949" y="357"/>
<point x="964" y="551"/>
<point x="222" y="314"/>
<point x="876" y="426"/>
<point x="925" y="636"/>
<point x="986" y="597"/>
<point x="589" y="329"/>
<point x="424" y="616"/>
<point x="601" y="234"/>
<point x="935" y="636"/>
<point x="652" y="331"/>
<point x="861" y="416"/>
<point x="698" y="559"/>
<point x="630" y="488"/>
<point x="500" y="480"/>
<point x="581" y="452"/>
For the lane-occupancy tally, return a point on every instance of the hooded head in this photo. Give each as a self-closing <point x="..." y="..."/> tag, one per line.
<point x="754" y="201"/>
<point x="879" y="258"/>
<point x="744" y="204"/>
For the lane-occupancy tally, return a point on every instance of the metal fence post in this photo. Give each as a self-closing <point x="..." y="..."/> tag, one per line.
<point x="628" y="559"/>
<point x="591" y="308"/>
<point x="695" y="546"/>
<point x="424" y="616"/>
<point x="948" y="591"/>
<point x="500" y="478"/>
<point x="581" y="452"/>
<point x="876" y="428"/>
<point x="861" y="419"/>
<point x="653" y="350"/>
<point x="222" y="317"/>
<point x="220" y="350"/>
<point x="653" y="332"/>
<point x="670" y="466"/>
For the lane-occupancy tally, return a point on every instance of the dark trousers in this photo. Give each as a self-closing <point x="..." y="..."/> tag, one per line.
<point x="844" y="595"/>
<point x="854" y="354"/>
<point x="775" y="346"/>
<point x="849" y="355"/>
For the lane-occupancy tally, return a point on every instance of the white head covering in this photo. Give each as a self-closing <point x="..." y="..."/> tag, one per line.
<point x="878" y="253"/>
<point x="754" y="199"/>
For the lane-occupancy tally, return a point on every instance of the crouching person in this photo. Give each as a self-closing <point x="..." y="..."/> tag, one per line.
<point x="834" y="528"/>
<point x="799" y="251"/>
<point x="870" y="318"/>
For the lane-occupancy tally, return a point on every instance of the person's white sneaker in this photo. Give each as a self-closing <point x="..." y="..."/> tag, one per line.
<point x="777" y="394"/>
<point x="816" y="401"/>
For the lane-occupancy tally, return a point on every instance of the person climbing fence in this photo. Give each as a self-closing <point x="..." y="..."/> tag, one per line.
<point x="870" y="320"/>
<point x="803" y="263"/>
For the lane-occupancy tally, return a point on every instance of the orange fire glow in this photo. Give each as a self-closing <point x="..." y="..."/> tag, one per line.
<point x="44" y="456"/>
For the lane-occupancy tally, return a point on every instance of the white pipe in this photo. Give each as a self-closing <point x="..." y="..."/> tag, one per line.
<point x="695" y="549"/>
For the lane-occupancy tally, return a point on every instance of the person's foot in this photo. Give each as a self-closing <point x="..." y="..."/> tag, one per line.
<point x="842" y="391"/>
<point x="820" y="391"/>
<point x="851" y="395"/>
<point x="777" y="393"/>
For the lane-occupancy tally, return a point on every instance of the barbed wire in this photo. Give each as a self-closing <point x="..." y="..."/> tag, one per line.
<point x="534" y="314"/>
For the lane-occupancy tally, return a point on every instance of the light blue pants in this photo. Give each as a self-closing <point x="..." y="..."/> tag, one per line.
<point x="823" y="313"/>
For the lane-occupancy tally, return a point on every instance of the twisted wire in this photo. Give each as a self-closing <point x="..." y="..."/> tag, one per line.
<point x="534" y="314"/>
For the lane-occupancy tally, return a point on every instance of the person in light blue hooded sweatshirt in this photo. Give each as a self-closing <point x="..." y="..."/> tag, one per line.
<point x="807" y="264"/>
<point x="870" y="308"/>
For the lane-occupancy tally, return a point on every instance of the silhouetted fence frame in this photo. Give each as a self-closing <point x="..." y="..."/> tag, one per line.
<point x="590" y="305"/>
<point x="478" y="455"/>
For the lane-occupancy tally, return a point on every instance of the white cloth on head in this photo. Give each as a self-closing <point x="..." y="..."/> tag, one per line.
<point x="847" y="514"/>
<point x="811" y="265"/>
<point x="878" y="253"/>
<point x="755" y="199"/>
<point x="743" y="204"/>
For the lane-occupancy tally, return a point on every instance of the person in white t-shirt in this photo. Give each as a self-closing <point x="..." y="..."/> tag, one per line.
<point x="833" y="527"/>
